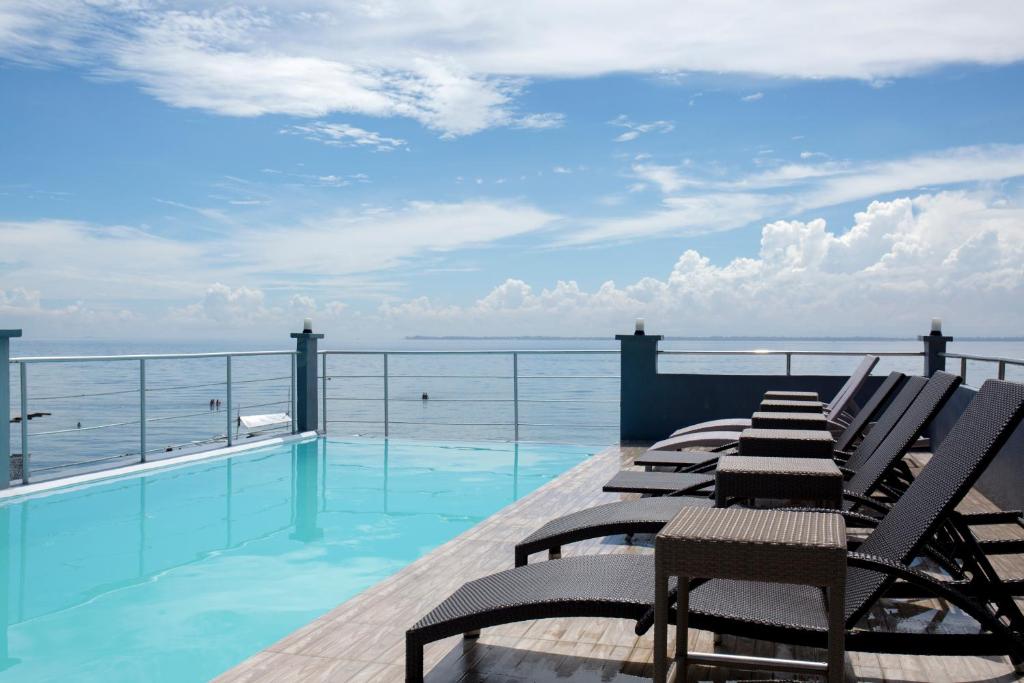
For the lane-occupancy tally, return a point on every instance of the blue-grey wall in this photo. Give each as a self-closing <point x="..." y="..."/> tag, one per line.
<point x="655" y="404"/>
<point x="1003" y="481"/>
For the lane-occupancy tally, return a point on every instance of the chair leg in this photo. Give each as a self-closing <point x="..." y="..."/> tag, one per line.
<point x="471" y="635"/>
<point x="413" y="660"/>
<point x="555" y="553"/>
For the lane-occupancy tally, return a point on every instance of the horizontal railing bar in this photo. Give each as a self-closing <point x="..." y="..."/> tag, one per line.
<point x="146" y="356"/>
<point x="101" y="393"/>
<point x="985" y="359"/>
<point x="564" y="424"/>
<point x="773" y="352"/>
<point x="569" y="377"/>
<point x="355" y="376"/>
<point x="568" y="400"/>
<point x="84" y="429"/>
<point x="535" y="352"/>
<point x="162" y="418"/>
<point x="215" y="384"/>
<point x="393" y="376"/>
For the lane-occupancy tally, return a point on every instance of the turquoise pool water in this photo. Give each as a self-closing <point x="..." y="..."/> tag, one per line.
<point x="184" y="572"/>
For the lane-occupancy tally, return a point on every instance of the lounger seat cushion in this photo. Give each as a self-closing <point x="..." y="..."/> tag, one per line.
<point x="698" y="440"/>
<point x="615" y="586"/>
<point x="731" y="424"/>
<point x="628" y="481"/>
<point x="783" y="605"/>
<point x="675" y="458"/>
<point x="646" y="515"/>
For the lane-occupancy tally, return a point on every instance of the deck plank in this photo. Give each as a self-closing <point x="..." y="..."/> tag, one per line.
<point x="363" y="638"/>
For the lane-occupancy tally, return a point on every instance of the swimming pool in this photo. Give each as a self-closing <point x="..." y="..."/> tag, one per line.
<point x="181" y="573"/>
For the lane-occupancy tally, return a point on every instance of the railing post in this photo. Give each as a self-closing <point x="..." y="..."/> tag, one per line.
<point x="1002" y="369"/>
<point x="963" y="370"/>
<point x="24" y="423"/>
<point x="515" y="392"/>
<point x="323" y="393"/>
<point x="638" y="362"/>
<point x="934" y="350"/>
<point x="385" y="394"/>
<point x="789" y="364"/>
<point x="5" y="406"/>
<point x="292" y="394"/>
<point x="142" y="410"/>
<point x="305" y="418"/>
<point x="228" y="399"/>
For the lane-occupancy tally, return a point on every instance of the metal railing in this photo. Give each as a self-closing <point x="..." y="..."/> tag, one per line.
<point x="1000" y="362"/>
<point x="789" y="354"/>
<point x="386" y="376"/>
<point x="142" y="391"/>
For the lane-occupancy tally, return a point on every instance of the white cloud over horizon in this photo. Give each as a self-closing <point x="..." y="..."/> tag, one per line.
<point x="458" y="67"/>
<point x="954" y="254"/>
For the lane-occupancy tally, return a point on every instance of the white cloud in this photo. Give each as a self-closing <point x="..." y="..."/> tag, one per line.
<point x="954" y="254"/>
<point x="561" y="169"/>
<point x="635" y="130"/>
<point x="696" y="205"/>
<point x="343" y="135"/>
<point x="753" y="97"/>
<point x="457" y="66"/>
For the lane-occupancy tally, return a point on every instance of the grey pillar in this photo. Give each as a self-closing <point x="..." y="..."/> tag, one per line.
<point x="5" y="406"/>
<point x="306" y="405"/>
<point x="934" y="347"/>
<point x="638" y="367"/>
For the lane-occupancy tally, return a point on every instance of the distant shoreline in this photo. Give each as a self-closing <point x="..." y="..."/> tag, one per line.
<point x="423" y="337"/>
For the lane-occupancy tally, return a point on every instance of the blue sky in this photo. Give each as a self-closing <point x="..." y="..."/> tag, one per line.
<point x="430" y="169"/>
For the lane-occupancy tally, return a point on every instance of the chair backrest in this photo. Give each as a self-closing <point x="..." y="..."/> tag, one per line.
<point x="932" y="398"/>
<point x="869" y="411"/>
<point x="974" y="441"/>
<point x="841" y="401"/>
<point x="890" y="418"/>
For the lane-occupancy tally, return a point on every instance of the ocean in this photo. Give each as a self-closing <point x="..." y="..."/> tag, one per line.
<point x="93" y="408"/>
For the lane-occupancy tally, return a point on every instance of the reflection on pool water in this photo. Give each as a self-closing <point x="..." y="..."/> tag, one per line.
<point x="180" y="574"/>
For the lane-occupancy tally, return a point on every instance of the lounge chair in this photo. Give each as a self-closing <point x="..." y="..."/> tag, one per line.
<point x="868" y="470"/>
<point x="845" y="441"/>
<point x="922" y="410"/>
<point x="622" y="586"/>
<point x="837" y="410"/>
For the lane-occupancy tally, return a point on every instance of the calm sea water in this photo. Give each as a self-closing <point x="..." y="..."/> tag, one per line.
<point x="180" y="574"/>
<point x="562" y="398"/>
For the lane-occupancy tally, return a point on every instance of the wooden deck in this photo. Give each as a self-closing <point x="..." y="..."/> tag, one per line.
<point x="363" y="638"/>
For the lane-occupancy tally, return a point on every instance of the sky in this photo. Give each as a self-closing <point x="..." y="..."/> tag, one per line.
<point x="447" y="167"/>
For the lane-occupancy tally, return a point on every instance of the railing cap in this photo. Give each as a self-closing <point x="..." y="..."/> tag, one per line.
<point x="10" y="333"/>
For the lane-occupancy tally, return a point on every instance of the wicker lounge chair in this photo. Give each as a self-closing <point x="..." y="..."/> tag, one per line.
<point x="922" y="410"/>
<point x="722" y="434"/>
<point x="846" y="443"/>
<point x="622" y="586"/>
<point x="870" y="467"/>
<point x="836" y="409"/>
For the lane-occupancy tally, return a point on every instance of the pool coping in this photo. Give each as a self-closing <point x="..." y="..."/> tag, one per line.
<point x="145" y="467"/>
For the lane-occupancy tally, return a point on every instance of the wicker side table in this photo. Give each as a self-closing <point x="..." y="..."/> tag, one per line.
<point x="811" y="479"/>
<point x="805" y="548"/>
<point x="792" y="395"/>
<point x="777" y="405"/>
<point x="762" y="420"/>
<point x="787" y="443"/>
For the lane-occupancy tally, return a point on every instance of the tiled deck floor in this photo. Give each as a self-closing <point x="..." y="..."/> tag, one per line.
<point x="363" y="639"/>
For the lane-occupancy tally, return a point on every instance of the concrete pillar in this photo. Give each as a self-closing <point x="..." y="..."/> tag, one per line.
<point x="638" y="359"/>
<point x="5" y="406"/>
<point x="306" y="405"/>
<point x="934" y="347"/>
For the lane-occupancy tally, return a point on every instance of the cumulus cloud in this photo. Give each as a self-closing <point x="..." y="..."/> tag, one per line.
<point x="956" y="254"/>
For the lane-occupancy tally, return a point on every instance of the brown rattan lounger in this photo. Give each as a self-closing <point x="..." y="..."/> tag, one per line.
<point x="621" y="586"/>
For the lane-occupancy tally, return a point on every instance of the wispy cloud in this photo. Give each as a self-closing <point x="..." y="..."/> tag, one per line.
<point x="695" y="205"/>
<point x="344" y="135"/>
<point x="753" y="97"/>
<point x="635" y="130"/>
